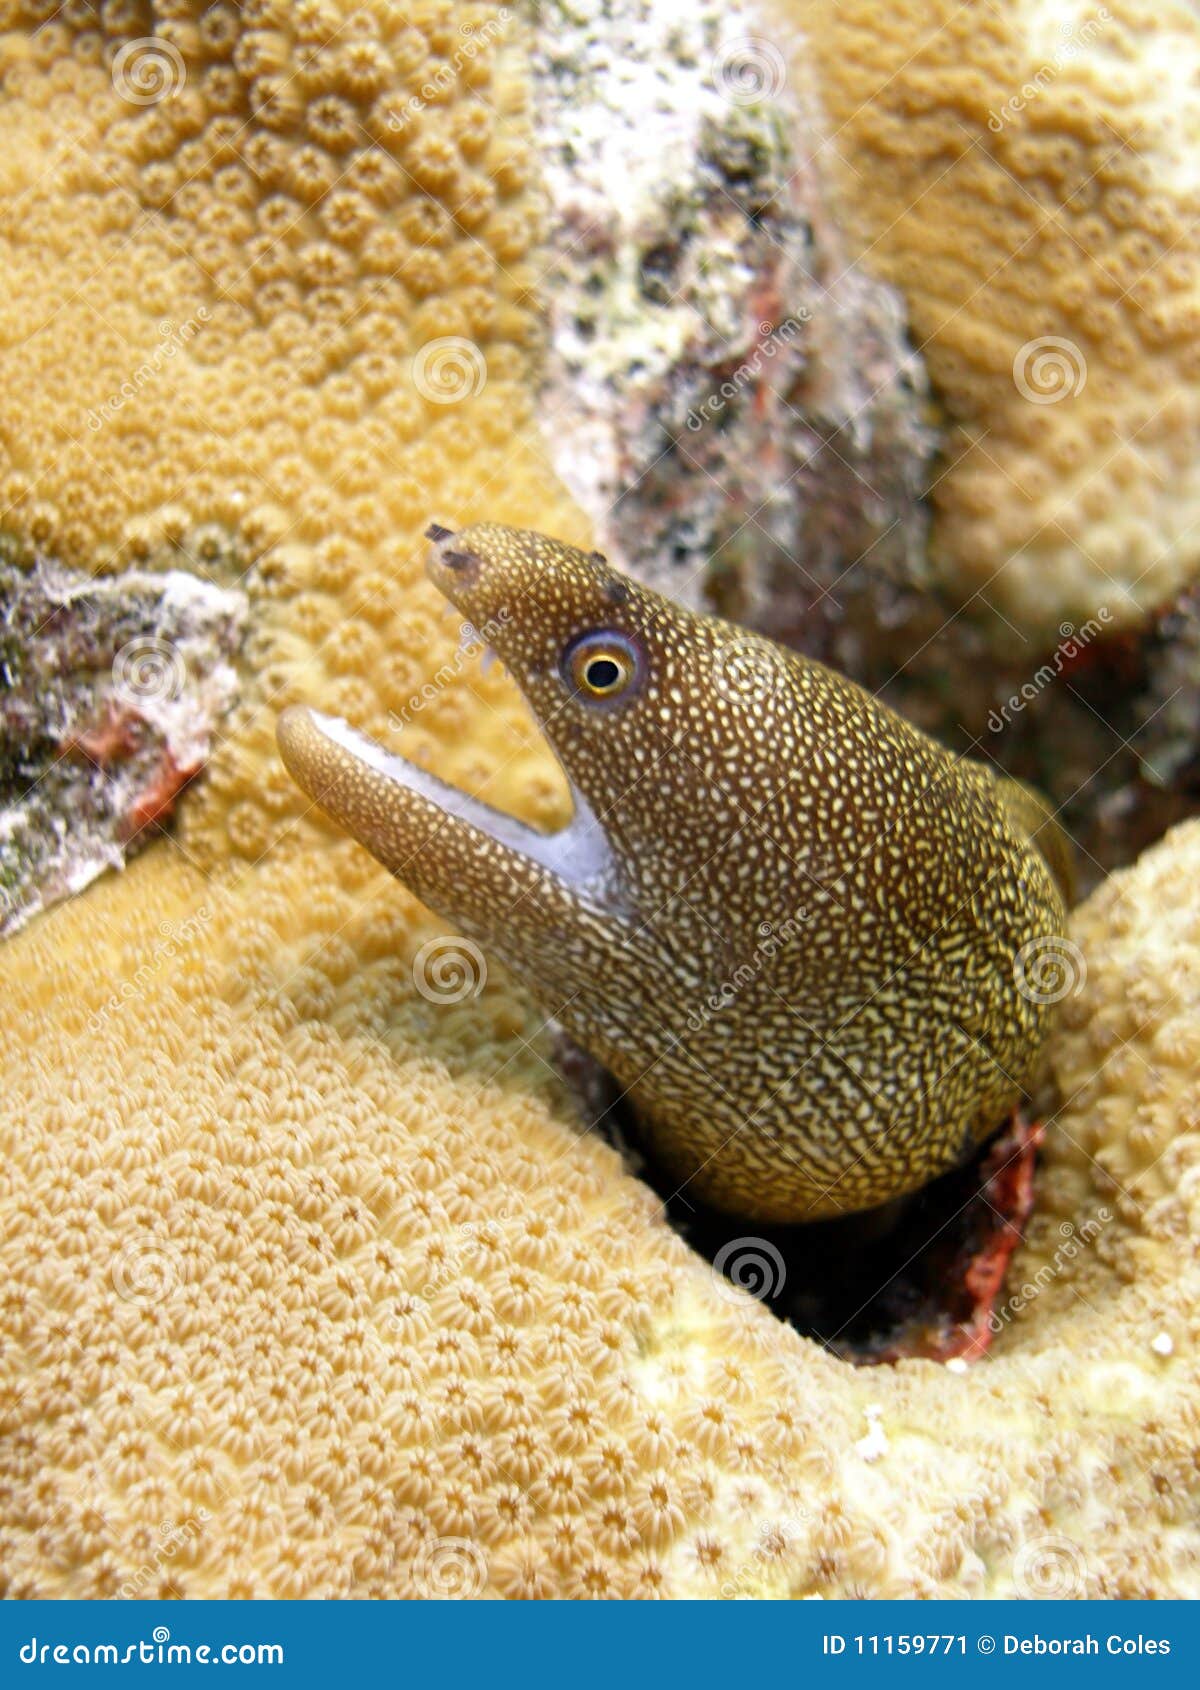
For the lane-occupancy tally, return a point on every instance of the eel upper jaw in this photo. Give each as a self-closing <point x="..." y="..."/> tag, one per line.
<point x="578" y="856"/>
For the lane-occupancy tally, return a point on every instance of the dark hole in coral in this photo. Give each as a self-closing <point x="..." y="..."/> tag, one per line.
<point x="656" y="273"/>
<point x="918" y="1278"/>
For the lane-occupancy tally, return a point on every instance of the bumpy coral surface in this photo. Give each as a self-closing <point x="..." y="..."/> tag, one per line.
<point x="308" y="1285"/>
<point x="310" y="1289"/>
<point x="1026" y="175"/>
<point x="286" y="249"/>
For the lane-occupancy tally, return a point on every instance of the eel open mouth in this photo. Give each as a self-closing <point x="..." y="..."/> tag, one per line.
<point x="396" y="808"/>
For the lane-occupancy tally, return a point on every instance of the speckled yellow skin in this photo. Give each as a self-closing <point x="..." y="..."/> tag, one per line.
<point x="794" y="939"/>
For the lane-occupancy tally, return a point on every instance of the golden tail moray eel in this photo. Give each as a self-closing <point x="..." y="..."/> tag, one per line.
<point x="796" y="929"/>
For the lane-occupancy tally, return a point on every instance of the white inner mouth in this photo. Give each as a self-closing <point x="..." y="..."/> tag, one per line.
<point x="578" y="853"/>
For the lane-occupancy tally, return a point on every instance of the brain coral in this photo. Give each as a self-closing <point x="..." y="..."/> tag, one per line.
<point x="307" y="1283"/>
<point x="1026" y="175"/>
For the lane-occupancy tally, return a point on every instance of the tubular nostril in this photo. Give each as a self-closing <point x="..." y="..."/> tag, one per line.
<point x="437" y="533"/>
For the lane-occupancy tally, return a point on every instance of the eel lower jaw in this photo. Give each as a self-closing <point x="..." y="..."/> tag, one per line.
<point x="335" y="765"/>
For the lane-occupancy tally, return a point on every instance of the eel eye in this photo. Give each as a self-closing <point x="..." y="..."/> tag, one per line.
<point x="601" y="666"/>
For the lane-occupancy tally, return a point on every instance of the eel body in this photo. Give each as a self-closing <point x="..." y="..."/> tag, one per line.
<point x="802" y="934"/>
